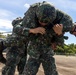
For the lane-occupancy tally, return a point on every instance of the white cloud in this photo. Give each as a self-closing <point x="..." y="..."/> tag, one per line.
<point x="5" y="14"/>
<point x="5" y="24"/>
<point x="6" y="18"/>
<point x="12" y="3"/>
<point x="64" y="4"/>
<point x="27" y="5"/>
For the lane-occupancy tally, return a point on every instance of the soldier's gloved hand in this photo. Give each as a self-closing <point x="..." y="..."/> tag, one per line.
<point x="58" y="29"/>
<point x="40" y="30"/>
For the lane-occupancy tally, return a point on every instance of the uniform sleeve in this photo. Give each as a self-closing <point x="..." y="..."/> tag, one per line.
<point x="66" y="20"/>
<point x="29" y="20"/>
<point x="67" y="23"/>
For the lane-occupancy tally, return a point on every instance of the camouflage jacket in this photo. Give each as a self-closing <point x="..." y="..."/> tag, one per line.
<point x="30" y="20"/>
<point x="63" y="18"/>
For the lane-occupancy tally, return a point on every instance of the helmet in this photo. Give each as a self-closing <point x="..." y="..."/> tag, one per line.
<point x="46" y="13"/>
<point x="16" y="21"/>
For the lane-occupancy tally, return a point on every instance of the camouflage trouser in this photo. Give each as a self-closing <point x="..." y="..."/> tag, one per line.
<point x="43" y="56"/>
<point x="16" y="56"/>
<point x="14" y="59"/>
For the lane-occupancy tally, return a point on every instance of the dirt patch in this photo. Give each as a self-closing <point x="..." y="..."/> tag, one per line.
<point x="66" y="65"/>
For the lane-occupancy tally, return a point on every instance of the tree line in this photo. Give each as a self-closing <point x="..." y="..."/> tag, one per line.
<point x="69" y="49"/>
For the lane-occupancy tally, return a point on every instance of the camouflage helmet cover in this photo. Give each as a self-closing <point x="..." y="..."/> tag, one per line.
<point x="16" y="21"/>
<point x="46" y="12"/>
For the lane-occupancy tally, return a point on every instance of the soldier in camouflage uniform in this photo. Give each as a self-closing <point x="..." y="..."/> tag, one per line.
<point x="17" y="53"/>
<point x="39" y="47"/>
<point x="38" y="18"/>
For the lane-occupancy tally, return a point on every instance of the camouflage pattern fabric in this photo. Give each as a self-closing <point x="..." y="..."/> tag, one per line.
<point x="16" y="54"/>
<point x="65" y="19"/>
<point x="39" y="52"/>
<point x="39" y="45"/>
<point x="28" y="22"/>
<point x="46" y="12"/>
<point x="38" y="48"/>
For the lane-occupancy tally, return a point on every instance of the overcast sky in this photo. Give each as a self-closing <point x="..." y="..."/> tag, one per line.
<point x="10" y="9"/>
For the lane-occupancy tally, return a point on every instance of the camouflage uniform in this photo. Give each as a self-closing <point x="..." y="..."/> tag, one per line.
<point x="63" y="18"/>
<point x="39" y="48"/>
<point x="16" y="54"/>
